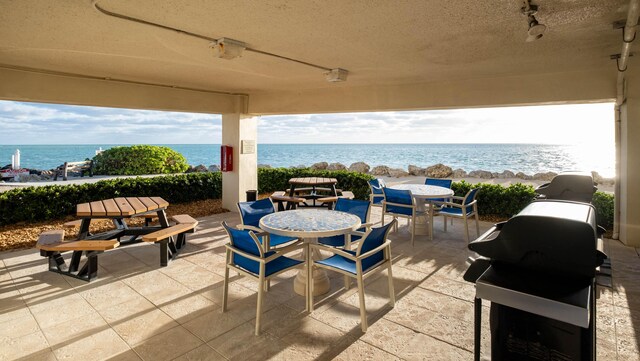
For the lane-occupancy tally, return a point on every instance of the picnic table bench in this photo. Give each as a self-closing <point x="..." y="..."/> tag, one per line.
<point x="329" y="201"/>
<point x="82" y="167"/>
<point x="170" y="246"/>
<point x="285" y="202"/>
<point x="51" y="244"/>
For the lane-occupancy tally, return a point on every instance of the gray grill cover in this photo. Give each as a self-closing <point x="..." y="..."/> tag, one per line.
<point x="549" y="236"/>
<point x="569" y="186"/>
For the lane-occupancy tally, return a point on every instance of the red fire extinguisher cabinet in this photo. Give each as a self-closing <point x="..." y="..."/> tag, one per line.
<point x="226" y="158"/>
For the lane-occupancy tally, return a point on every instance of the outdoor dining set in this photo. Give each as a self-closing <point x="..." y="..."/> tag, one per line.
<point x="332" y="230"/>
<point x="260" y="246"/>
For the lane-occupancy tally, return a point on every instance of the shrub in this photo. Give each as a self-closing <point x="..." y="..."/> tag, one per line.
<point x="277" y="179"/>
<point x="604" y="209"/>
<point x="50" y="202"/>
<point x="496" y="200"/>
<point x="139" y="159"/>
<point x="504" y="202"/>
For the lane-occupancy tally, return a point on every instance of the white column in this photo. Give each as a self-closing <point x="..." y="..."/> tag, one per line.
<point x="235" y="129"/>
<point x="629" y="162"/>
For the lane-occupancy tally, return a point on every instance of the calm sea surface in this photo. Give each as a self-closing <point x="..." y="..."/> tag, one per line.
<point x="527" y="158"/>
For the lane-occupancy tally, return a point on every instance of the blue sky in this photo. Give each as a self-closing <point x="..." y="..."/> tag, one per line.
<point x="33" y="123"/>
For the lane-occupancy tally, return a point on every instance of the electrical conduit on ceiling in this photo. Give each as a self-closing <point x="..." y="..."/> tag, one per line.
<point x="204" y="37"/>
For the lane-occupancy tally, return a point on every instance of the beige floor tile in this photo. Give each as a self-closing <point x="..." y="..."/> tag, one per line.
<point x="43" y="355"/>
<point x="342" y="316"/>
<point x="27" y="346"/>
<point x="363" y="351"/>
<point x="17" y="327"/>
<point x="60" y="310"/>
<point x="137" y="320"/>
<point x="313" y="338"/>
<point x="128" y="355"/>
<point x="228" y="346"/>
<point x="423" y="347"/>
<point x="148" y="254"/>
<point x="410" y="316"/>
<point x="157" y="287"/>
<point x="606" y="350"/>
<point x="459" y="289"/>
<point x="202" y="353"/>
<point x="168" y="345"/>
<point x="188" y="307"/>
<point x="388" y="336"/>
<point x="192" y="276"/>
<point x="281" y="320"/>
<point x="109" y="295"/>
<point x="74" y="329"/>
<point x="215" y="323"/>
<point x="95" y="346"/>
<point x="11" y="305"/>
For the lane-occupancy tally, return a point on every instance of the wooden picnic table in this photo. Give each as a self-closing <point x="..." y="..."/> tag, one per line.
<point x="312" y="184"/>
<point x="171" y="238"/>
<point x="118" y="210"/>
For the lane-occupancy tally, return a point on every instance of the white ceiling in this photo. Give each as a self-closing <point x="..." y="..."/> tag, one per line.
<point x="379" y="42"/>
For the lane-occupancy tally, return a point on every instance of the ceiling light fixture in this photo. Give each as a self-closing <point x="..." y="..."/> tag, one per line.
<point x="226" y="48"/>
<point x="336" y="75"/>
<point x="536" y="30"/>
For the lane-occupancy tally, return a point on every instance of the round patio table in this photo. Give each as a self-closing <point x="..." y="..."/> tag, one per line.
<point x="308" y="225"/>
<point x="422" y="194"/>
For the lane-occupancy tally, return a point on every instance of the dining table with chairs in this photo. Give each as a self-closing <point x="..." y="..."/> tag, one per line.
<point x="423" y="195"/>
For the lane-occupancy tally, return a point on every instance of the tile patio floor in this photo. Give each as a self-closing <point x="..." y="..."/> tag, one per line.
<point x="136" y="310"/>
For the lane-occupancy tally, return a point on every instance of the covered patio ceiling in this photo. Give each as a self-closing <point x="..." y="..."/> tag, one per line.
<point x="433" y="48"/>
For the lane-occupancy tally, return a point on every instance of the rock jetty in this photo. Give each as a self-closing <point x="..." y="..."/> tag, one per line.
<point x="434" y="171"/>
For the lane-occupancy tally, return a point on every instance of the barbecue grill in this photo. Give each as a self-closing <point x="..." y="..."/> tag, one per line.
<point x="570" y="186"/>
<point x="538" y="270"/>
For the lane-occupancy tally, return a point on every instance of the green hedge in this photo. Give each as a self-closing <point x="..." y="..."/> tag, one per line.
<point x="496" y="200"/>
<point x="504" y="202"/>
<point x="139" y="160"/>
<point x="604" y="209"/>
<point x="51" y="202"/>
<point x="277" y="179"/>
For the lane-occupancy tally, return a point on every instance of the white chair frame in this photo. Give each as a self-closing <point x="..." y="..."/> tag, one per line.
<point x="464" y="216"/>
<point x="262" y="279"/>
<point x="360" y="275"/>
<point x="411" y="220"/>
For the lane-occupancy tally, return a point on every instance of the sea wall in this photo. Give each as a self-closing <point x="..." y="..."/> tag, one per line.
<point x="438" y="171"/>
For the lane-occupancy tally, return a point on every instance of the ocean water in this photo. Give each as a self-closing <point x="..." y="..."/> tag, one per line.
<point x="527" y="158"/>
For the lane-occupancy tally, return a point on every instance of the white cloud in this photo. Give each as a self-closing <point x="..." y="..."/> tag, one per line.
<point x="31" y="123"/>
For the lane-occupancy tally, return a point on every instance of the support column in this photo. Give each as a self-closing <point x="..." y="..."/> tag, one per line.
<point x="235" y="129"/>
<point x="630" y="162"/>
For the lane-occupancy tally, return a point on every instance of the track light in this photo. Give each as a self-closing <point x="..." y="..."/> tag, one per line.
<point x="536" y="30"/>
<point x="336" y="75"/>
<point x="226" y="48"/>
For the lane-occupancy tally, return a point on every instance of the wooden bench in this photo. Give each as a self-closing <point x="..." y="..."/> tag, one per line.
<point x="51" y="244"/>
<point x="280" y="199"/>
<point x="82" y="167"/>
<point x="172" y="238"/>
<point x="331" y="200"/>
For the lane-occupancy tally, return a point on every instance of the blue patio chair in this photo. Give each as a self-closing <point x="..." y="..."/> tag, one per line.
<point x="463" y="208"/>
<point x="244" y="254"/>
<point x="355" y="207"/>
<point x="400" y="203"/>
<point x="376" y="197"/>
<point x="250" y="215"/>
<point x="373" y="254"/>
<point x="446" y="183"/>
